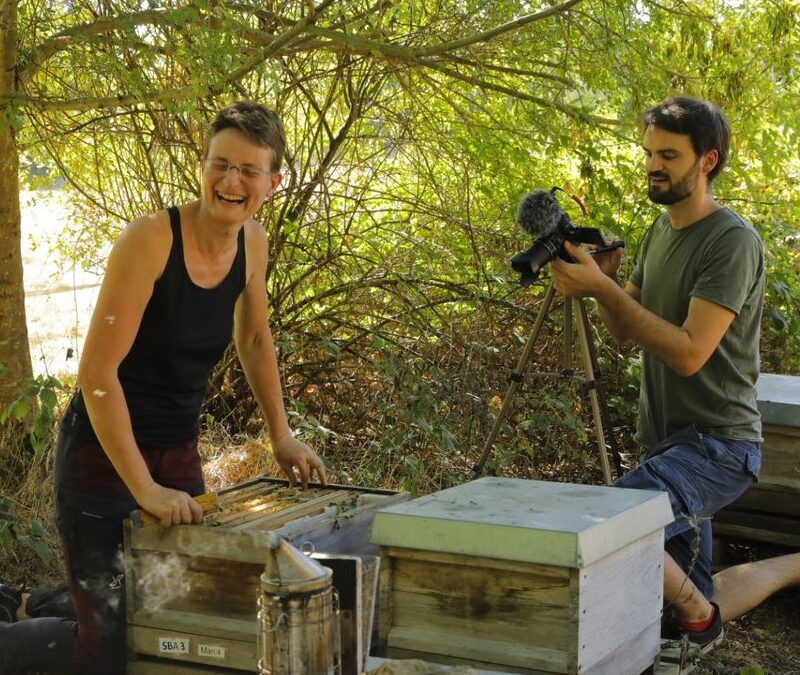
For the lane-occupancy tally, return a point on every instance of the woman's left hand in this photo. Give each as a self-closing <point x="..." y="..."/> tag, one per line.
<point x="298" y="460"/>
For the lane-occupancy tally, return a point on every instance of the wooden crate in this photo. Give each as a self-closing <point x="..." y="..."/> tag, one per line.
<point x="191" y="590"/>
<point x="524" y="576"/>
<point x="770" y="510"/>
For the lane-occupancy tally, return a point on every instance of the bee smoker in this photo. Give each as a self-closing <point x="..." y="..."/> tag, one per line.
<point x="298" y="615"/>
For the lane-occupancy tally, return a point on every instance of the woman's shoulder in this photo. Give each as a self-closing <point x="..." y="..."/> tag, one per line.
<point x="255" y="237"/>
<point x="144" y="243"/>
<point x="150" y="230"/>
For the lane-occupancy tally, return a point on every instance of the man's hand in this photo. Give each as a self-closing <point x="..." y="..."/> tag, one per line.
<point x="298" y="460"/>
<point x="584" y="277"/>
<point x="609" y="261"/>
<point x="171" y="507"/>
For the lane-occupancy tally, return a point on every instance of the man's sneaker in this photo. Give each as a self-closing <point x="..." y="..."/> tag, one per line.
<point x="706" y="640"/>
<point x="10" y="600"/>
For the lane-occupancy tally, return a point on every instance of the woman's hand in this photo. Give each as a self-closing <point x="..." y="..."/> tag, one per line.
<point x="297" y="460"/>
<point x="171" y="507"/>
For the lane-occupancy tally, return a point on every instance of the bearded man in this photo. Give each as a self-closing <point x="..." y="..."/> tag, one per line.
<point x="693" y="304"/>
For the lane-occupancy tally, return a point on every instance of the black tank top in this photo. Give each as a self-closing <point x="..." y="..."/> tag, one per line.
<point x="184" y="332"/>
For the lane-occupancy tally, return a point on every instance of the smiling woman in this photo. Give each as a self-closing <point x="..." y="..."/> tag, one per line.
<point x="179" y="283"/>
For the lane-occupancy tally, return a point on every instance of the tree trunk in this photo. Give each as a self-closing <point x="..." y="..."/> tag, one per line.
<point x="15" y="358"/>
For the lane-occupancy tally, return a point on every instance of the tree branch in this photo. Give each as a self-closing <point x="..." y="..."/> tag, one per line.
<point x="181" y="93"/>
<point x="489" y="35"/>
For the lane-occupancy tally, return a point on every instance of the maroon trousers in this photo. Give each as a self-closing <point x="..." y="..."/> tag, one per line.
<point x="91" y="504"/>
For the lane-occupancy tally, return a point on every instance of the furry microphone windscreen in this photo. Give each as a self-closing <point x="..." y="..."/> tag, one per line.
<point x="539" y="213"/>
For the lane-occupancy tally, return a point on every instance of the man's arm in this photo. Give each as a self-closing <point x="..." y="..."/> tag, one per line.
<point x="256" y="350"/>
<point x="684" y="348"/>
<point x="615" y="327"/>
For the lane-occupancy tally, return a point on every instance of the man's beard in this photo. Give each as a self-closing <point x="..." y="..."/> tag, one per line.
<point x="676" y="192"/>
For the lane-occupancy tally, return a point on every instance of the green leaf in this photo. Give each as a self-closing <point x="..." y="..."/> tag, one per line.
<point x="20" y="410"/>
<point x="37" y="530"/>
<point x="778" y="319"/>
<point x="48" y="398"/>
<point x="6" y="535"/>
<point x="331" y="347"/>
<point x="7" y="507"/>
<point x="37" y="546"/>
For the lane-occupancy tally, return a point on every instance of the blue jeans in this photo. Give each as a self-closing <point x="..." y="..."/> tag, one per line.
<point x="701" y="474"/>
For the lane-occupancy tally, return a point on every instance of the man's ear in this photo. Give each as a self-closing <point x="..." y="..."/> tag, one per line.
<point x="710" y="160"/>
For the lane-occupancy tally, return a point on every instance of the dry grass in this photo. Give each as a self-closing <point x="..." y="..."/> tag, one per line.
<point x="228" y="461"/>
<point x="27" y="479"/>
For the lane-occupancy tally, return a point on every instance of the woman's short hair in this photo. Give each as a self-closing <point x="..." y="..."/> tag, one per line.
<point x="261" y="125"/>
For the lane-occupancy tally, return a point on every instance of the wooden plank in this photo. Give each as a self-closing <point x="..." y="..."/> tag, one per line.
<point x="385" y="604"/>
<point x="780" y="457"/>
<point x="279" y="518"/>
<point x="213" y="586"/>
<point x="757" y="533"/>
<point x="257" y="486"/>
<point x="154" y="666"/>
<point x="436" y="557"/>
<point x="252" y="507"/>
<point x="477" y="650"/>
<point x="775" y="499"/>
<point x="618" y="596"/>
<point x="256" y="506"/>
<point x="202" y="540"/>
<point x="778" y="399"/>
<point x="198" y="623"/>
<point x="512" y="618"/>
<point x="374" y="662"/>
<point x="130" y="576"/>
<point x="231" y="653"/>
<point x="481" y="666"/>
<point x="763" y="521"/>
<point x="641" y="653"/>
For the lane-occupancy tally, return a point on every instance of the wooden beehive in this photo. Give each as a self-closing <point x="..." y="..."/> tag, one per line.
<point x="191" y="590"/>
<point x="524" y="576"/>
<point x="770" y="510"/>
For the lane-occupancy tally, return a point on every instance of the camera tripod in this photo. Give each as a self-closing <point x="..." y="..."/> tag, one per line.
<point x="589" y="382"/>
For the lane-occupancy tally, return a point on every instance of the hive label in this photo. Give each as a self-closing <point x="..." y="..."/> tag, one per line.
<point x="212" y="651"/>
<point x="174" y="645"/>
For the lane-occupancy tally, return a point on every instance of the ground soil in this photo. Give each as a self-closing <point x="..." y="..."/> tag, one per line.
<point x="765" y="640"/>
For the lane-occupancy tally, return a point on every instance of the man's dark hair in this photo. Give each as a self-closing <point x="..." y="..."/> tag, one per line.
<point x="259" y="124"/>
<point x="704" y="123"/>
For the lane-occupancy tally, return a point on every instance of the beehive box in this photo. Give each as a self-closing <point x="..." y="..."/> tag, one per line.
<point x="524" y="576"/>
<point x="191" y="590"/>
<point x="770" y="510"/>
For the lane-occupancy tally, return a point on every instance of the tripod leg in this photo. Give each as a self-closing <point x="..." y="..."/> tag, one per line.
<point x="567" y="335"/>
<point x="516" y="380"/>
<point x="588" y="366"/>
<point x="616" y="457"/>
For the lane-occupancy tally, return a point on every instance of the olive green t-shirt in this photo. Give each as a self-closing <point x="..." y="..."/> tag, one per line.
<point x="719" y="258"/>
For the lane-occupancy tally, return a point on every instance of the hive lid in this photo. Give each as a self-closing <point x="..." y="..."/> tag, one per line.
<point x="779" y="399"/>
<point x="532" y="521"/>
